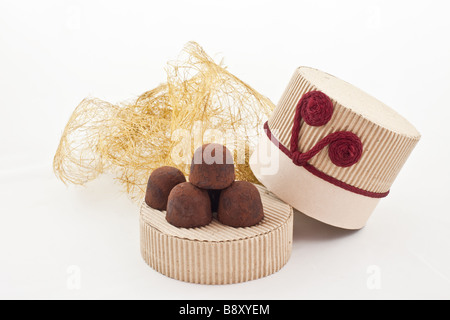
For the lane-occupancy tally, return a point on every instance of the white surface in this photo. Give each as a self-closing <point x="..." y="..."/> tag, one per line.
<point x="54" y="53"/>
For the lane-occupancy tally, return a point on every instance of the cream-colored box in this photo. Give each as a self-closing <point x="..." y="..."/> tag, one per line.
<point x="341" y="196"/>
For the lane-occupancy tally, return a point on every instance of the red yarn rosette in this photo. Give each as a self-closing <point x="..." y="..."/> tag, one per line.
<point x="346" y="150"/>
<point x="316" y="108"/>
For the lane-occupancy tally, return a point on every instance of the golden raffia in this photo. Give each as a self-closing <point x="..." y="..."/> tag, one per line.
<point x="200" y="99"/>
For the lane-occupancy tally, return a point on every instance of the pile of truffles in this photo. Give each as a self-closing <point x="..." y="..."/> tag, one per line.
<point x="211" y="188"/>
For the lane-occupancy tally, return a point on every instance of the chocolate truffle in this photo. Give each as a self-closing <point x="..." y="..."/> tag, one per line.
<point x="214" y="197"/>
<point x="212" y="167"/>
<point x="160" y="183"/>
<point x="240" y="205"/>
<point x="188" y="206"/>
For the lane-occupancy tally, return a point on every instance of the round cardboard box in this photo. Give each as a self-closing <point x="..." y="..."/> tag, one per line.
<point x="387" y="139"/>
<point x="219" y="254"/>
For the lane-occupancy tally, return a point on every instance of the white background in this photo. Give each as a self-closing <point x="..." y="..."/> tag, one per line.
<point x="54" y="53"/>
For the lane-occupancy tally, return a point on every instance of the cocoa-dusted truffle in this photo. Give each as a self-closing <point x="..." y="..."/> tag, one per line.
<point x="212" y="167"/>
<point x="214" y="197"/>
<point x="188" y="206"/>
<point x="240" y="205"/>
<point x="160" y="183"/>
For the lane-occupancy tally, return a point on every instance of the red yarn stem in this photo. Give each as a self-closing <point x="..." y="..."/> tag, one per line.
<point x="321" y="174"/>
<point x="301" y="158"/>
<point x="347" y="139"/>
